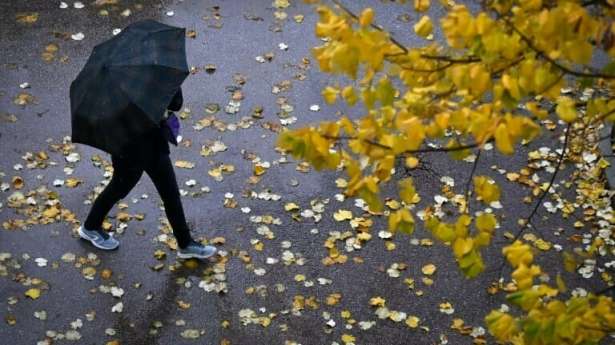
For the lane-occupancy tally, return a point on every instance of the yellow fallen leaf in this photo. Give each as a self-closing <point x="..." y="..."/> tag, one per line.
<point x="291" y="206"/>
<point x="27" y="18"/>
<point x="377" y="301"/>
<point x="259" y="170"/>
<point x="184" y="164"/>
<point x="106" y="273"/>
<point x="347" y="338"/>
<point x="51" y="212"/>
<point x="412" y="321"/>
<point x="342" y="215"/>
<point x="429" y="269"/>
<point x="72" y="182"/>
<point x="33" y="293"/>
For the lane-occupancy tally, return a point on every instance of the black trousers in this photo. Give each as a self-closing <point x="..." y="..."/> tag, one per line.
<point x="126" y="174"/>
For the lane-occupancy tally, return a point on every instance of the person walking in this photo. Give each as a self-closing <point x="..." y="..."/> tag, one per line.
<point x="122" y="102"/>
<point x="148" y="153"/>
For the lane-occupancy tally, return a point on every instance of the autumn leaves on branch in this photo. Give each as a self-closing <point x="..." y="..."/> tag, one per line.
<point x="497" y="79"/>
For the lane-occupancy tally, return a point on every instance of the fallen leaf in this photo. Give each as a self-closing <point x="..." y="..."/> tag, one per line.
<point x="33" y="293"/>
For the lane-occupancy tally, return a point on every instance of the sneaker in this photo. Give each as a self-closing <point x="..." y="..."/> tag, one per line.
<point x="196" y="250"/>
<point x="99" y="238"/>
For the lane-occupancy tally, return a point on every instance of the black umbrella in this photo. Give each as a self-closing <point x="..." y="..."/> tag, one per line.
<point x="126" y="84"/>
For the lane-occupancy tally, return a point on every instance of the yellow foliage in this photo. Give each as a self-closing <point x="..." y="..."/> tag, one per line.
<point x="366" y="17"/>
<point x="495" y="79"/>
<point x="486" y="189"/>
<point x="423" y="27"/>
<point x="518" y="253"/>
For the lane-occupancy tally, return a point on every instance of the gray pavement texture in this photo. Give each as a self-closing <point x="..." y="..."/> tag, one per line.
<point x="230" y="35"/>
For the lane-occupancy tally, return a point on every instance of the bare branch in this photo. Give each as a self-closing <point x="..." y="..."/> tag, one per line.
<point x="470" y="178"/>
<point x="560" y="159"/>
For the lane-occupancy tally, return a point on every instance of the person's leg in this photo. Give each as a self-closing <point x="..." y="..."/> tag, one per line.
<point x="125" y="177"/>
<point x="162" y="175"/>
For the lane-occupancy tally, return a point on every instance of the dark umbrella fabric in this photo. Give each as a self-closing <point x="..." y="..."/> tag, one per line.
<point x="126" y="84"/>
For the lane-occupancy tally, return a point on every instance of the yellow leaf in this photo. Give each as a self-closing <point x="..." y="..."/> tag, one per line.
<point x="486" y="222"/>
<point x="366" y="17"/>
<point x="348" y="339"/>
<point x="411" y="162"/>
<point x="51" y="212"/>
<point x="566" y="109"/>
<point x="407" y="192"/>
<point x="518" y="253"/>
<point x="501" y="325"/>
<point x="524" y="275"/>
<point x="502" y="140"/>
<point x="534" y="108"/>
<point x="184" y="164"/>
<point x="33" y="293"/>
<point x="330" y="94"/>
<point x="259" y="170"/>
<point x="462" y="246"/>
<point x="412" y="321"/>
<point x="401" y="220"/>
<point x="421" y="5"/>
<point x="27" y="18"/>
<point x="570" y="263"/>
<point x="486" y="189"/>
<point x="377" y="301"/>
<point x="512" y="85"/>
<point x="349" y="95"/>
<point x="429" y="269"/>
<point x="342" y="215"/>
<point x="561" y="285"/>
<point x="424" y="27"/>
<point x="72" y="182"/>
<point x="291" y="206"/>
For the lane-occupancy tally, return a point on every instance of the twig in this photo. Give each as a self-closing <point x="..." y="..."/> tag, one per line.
<point x="561" y="67"/>
<point x="446" y="58"/>
<point x="425" y="150"/>
<point x="469" y="182"/>
<point x="528" y="221"/>
<point x="350" y="13"/>
<point x="546" y="191"/>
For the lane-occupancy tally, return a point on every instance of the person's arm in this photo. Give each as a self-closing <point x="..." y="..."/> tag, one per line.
<point x="177" y="101"/>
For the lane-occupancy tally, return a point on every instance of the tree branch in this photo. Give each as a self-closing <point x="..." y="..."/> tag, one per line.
<point x="546" y="191"/>
<point x="446" y="58"/>
<point x="424" y="150"/>
<point x="355" y="17"/>
<point x="469" y="182"/>
<point x="561" y="67"/>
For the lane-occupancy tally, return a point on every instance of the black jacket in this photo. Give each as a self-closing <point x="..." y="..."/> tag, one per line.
<point x="153" y="143"/>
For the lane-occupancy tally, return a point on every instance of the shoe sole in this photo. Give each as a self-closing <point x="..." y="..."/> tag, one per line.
<point x="195" y="256"/>
<point x="87" y="238"/>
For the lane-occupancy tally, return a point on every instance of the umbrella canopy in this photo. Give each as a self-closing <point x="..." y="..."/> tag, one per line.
<point x="126" y="84"/>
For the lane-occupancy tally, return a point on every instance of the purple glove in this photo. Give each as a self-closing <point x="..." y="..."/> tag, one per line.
<point x="172" y="128"/>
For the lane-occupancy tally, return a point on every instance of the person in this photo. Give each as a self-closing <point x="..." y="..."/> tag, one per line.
<point x="148" y="153"/>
